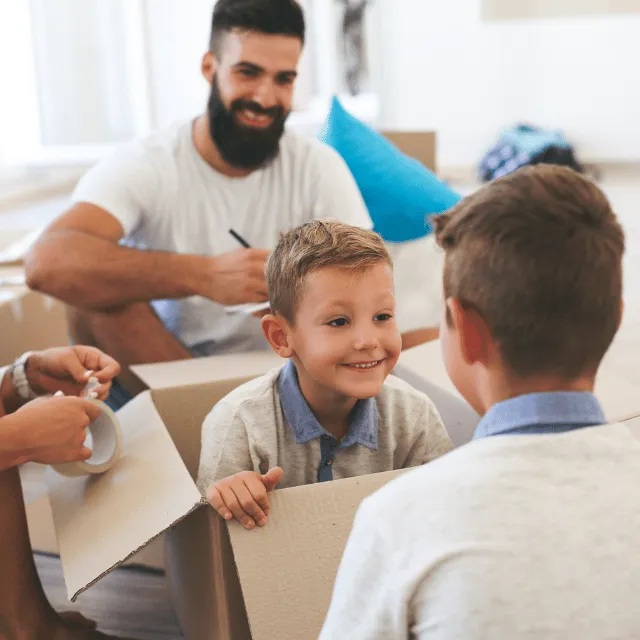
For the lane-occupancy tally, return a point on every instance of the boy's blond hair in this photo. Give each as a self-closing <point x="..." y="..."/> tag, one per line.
<point x="313" y="246"/>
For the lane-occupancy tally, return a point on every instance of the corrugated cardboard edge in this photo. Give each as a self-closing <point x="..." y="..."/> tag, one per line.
<point x="98" y="530"/>
<point x="163" y="375"/>
<point x="74" y="597"/>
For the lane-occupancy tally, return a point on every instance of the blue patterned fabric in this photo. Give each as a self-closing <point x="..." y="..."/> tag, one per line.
<point x="522" y="145"/>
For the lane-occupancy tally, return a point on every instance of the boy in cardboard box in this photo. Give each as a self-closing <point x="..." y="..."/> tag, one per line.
<point x="333" y="411"/>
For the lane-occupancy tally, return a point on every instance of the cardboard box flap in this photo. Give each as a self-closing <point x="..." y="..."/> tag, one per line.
<point x="288" y="568"/>
<point x="228" y="367"/>
<point x="101" y="521"/>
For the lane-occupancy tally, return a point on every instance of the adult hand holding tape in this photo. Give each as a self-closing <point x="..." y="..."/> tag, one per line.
<point x="105" y="438"/>
<point x="106" y="445"/>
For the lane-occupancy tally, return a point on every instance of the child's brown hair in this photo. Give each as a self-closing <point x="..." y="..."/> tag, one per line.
<point x="312" y="246"/>
<point x="538" y="254"/>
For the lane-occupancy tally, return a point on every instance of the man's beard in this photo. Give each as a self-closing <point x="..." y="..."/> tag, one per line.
<point x="241" y="146"/>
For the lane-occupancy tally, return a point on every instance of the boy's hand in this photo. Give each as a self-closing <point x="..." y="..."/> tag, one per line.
<point x="243" y="496"/>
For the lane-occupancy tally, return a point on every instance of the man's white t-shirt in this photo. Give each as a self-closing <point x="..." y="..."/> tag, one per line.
<point x="167" y="198"/>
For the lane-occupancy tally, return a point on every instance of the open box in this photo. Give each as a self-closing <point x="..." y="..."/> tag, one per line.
<point x="228" y="583"/>
<point x="286" y="570"/>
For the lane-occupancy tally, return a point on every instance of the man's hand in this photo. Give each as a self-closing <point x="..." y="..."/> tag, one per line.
<point x="53" y="429"/>
<point x="236" y="277"/>
<point x="68" y="369"/>
<point x="243" y="496"/>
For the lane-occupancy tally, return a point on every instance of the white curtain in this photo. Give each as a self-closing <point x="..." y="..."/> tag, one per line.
<point x="80" y="49"/>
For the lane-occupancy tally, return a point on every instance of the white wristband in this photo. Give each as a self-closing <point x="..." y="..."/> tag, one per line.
<point x="20" y="381"/>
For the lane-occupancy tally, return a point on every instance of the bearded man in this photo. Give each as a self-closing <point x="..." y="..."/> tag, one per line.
<point x="145" y="258"/>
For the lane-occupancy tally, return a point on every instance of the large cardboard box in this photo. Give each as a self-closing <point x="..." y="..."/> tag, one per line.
<point x="227" y="583"/>
<point x="278" y="579"/>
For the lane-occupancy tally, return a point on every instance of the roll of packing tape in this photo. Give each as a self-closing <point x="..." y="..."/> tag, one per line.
<point x="106" y="446"/>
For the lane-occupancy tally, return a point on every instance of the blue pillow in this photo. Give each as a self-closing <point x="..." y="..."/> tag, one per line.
<point x="399" y="191"/>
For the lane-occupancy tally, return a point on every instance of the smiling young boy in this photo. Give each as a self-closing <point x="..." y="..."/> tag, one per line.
<point x="332" y="411"/>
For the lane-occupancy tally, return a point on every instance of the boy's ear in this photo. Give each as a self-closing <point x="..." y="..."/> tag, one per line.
<point x="275" y="330"/>
<point x="474" y="337"/>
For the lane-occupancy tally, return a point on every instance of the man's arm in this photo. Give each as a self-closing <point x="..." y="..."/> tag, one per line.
<point x="78" y="260"/>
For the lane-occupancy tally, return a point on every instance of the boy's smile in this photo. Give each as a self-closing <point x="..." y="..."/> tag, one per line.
<point x="364" y="366"/>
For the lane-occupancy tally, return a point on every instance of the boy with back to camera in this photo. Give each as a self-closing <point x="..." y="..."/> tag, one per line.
<point x="531" y="530"/>
<point x="332" y="411"/>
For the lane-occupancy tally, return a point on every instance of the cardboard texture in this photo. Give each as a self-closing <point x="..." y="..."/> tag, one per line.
<point x="203" y="579"/>
<point x="229" y="368"/>
<point x="103" y="520"/>
<point x="419" y="145"/>
<point x="288" y="569"/>
<point x="42" y="535"/>
<point x="533" y="9"/>
<point x="29" y="321"/>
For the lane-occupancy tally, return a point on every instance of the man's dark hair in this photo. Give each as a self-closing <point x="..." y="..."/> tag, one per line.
<point x="538" y="254"/>
<point x="278" y="17"/>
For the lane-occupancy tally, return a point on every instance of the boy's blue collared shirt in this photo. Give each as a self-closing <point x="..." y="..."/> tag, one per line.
<point x="540" y="413"/>
<point x="363" y="425"/>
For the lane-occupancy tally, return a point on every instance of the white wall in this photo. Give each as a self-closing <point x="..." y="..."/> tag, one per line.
<point x="446" y="70"/>
<point x="438" y="67"/>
